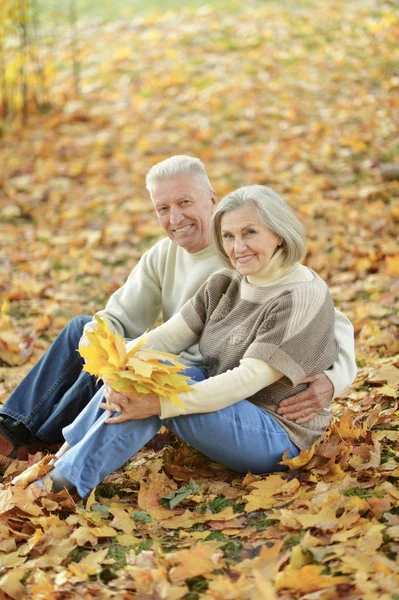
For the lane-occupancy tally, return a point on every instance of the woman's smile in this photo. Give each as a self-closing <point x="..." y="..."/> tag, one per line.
<point x="247" y="241"/>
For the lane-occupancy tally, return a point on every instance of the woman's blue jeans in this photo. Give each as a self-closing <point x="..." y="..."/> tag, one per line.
<point x="242" y="436"/>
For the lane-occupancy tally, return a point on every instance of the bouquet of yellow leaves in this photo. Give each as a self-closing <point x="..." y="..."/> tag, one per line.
<point x="137" y="372"/>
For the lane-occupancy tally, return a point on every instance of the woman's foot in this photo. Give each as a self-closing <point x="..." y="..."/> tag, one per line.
<point x="58" y="482"/>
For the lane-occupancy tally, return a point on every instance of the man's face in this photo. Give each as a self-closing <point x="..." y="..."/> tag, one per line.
<point x="184" y="211"/>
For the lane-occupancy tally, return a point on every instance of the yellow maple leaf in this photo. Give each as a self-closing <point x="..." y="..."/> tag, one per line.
<point x="110" y="348"/>
<point x="302" y="459"/>
<point x="35" y="471"/>
<point x="94" y="357"/>
<point x="201" y="559"/>
<point x="392" y="265"/>
<point x="134" y="349"/>
<point x="136" y="372"/>
<point x="307" y="579"/>
<point x="140" y="366"/>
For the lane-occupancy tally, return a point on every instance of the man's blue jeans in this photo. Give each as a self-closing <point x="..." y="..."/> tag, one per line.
<point x="243" y="437"/>
<point x="56" y="389"/>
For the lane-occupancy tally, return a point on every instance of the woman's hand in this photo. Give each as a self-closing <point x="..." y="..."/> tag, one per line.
<point x="131" y="408"/>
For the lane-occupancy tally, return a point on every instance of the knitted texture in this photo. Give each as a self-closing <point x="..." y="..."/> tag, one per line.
<point x="289" y="326"/>
<point x="162" y="281"/>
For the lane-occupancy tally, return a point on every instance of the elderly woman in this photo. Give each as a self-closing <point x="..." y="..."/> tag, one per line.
<point x="263" y="324"/>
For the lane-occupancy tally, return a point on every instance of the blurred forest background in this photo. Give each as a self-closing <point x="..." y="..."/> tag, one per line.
<point x="302" y="96"/>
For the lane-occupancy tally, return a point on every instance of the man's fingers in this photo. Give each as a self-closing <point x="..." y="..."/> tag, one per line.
<point x="298" y="414"/>
<point x="304" y="396"/>
<point x="306" y="418"/>
<point x="297" y="406"/>
<point x="301" y="416"/>
<point x="309" y="379"/>
<point x="305" y="410"/>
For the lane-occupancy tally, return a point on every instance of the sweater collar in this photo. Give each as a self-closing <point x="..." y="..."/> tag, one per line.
<point x="201" y="254"/>
<point x="274" y="271"/>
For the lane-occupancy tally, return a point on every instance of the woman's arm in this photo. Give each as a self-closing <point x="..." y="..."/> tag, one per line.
<point x="173" y="336"/>
<point x="225" y="389"/>
<point x="209" y="395"/>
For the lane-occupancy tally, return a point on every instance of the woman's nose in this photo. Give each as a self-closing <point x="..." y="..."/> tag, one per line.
<point x="239" y="245"/>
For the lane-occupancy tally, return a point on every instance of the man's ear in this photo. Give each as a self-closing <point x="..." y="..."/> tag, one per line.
<point x="214" y="198"/>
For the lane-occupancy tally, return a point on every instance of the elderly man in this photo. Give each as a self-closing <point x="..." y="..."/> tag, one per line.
<point x="56" y="390"/>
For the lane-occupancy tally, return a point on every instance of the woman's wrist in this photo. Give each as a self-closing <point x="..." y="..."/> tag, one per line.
<point x="153" y="404"/>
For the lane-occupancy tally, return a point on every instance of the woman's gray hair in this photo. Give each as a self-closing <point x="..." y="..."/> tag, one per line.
<point x="177" y="165"/>
<point x="273" y="212"/>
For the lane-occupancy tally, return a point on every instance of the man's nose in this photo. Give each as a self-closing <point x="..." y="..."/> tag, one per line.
<point x="175" y="215"/>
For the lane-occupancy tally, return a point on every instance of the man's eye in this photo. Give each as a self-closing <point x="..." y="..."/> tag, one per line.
<point x="162" y="209"/>
<point x="251" y="231"/>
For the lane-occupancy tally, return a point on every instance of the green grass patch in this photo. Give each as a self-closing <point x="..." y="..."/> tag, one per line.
<point x="359" y="492"/>
<point x="78" y="553"/>
<point x="49" y="11"/>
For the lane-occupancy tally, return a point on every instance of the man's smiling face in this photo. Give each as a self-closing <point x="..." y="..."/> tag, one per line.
<point x="184" y="210"/>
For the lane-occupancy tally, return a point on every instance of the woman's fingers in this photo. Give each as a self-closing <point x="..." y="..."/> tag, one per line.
<point x="110" y="407"/>
<point x="119" y="419"/>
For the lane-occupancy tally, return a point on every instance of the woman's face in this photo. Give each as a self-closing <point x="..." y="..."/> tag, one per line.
<point x="248" y="243"/>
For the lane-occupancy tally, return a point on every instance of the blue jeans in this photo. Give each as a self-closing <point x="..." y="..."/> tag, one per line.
<point x="56" y="389"/>
<point x="242" y="436"/>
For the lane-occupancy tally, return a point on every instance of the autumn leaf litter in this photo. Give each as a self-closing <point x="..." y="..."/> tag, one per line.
<point x="306" y="101"/>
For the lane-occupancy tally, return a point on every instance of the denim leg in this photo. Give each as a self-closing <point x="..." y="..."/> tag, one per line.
<point x="242" y="436"/>
<point x="104" y="449"/>
<point x="72" y="403"/>
<point x="33" y="401"/>
<point x="98" y="448"/>
<point x="74" y="432"/>
<point x="196" y="374"/>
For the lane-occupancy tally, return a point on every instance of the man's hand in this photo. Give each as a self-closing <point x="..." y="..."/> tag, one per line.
<point x="131" y="408"/>
<point x="305" y="405"/>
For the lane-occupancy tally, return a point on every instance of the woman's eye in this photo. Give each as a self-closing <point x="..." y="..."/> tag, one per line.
<point x="227" y="236"/>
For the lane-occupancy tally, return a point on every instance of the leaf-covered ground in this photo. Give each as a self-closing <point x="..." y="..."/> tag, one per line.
<point x="307" y="101"/>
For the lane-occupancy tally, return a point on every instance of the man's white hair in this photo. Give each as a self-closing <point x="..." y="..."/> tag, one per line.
<point x="178" y="165"/>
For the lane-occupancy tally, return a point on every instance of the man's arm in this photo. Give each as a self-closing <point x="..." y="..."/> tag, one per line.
<point x="135" y="307"/>
<point x="304" y="406"/>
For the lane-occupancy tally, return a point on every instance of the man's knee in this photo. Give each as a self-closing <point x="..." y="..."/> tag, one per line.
<point x="76" y="325"/>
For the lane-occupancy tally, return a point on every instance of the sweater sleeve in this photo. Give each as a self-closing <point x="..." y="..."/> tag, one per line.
<point x="297" y="334"/>
<point x="223" y="390"/>
<point x="344" y="369"/>
<point x="173" y="336"/>
<point x="135" y="307"/>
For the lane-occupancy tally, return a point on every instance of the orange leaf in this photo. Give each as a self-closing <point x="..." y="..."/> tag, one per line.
<point x="307" y="579"/>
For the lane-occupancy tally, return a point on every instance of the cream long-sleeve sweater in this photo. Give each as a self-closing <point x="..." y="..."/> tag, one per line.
<point x="166" y="277"/>
<point x="240" y="382"/>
